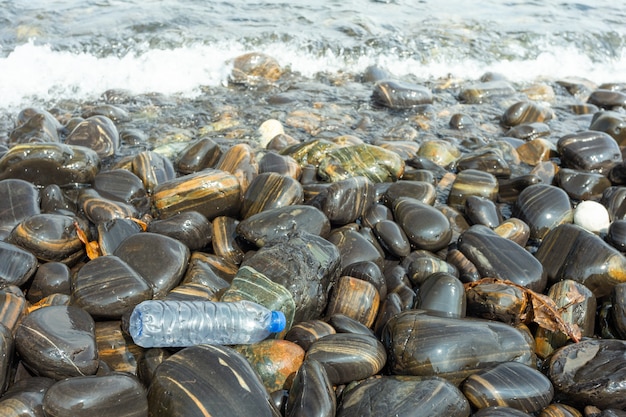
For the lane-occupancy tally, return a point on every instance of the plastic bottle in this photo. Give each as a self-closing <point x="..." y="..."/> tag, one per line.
<point x="171" y="323"/>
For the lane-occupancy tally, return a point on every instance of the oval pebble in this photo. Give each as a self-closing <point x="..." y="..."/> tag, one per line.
<point x="114" y="395"/>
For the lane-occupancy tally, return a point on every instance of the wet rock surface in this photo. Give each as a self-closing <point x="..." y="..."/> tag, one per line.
<point x="445" y="245"/>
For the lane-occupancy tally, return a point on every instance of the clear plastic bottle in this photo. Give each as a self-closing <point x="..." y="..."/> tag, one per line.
<point x="171" y="323"/>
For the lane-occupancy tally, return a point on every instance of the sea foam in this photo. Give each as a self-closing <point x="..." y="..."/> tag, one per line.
<point x="33" y="73"/>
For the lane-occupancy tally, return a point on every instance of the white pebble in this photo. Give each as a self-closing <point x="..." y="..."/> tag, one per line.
<point x="268" y="130"/>
<point x="592" y="216"/>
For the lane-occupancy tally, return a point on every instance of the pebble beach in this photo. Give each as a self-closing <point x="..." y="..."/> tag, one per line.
<point x="439" y="244"/>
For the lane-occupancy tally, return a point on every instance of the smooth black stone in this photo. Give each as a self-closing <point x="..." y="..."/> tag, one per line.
<point x="589" y="151"/>
<point x="510" y="189"/>
<point x="99" y="209"/>
<point x="345" y="324"/>
<point x="614" y="199"/>
<point x="618" y="309"/>
<point x="50" y="237"/>
<point x="189" y="227"/>
<point x="208" y="380"/>
<point x="50" y="163"/>
<point x="461" y="121"/>
<point x="392" y="238"/>
<point x="607" y="98"/>
<point x="209" y="271"/>
<point x="370" y="272"/>
<point x="528" y="131"/>
<point x="50" y="278"/>
<point x="55" y="201"/>
<point x="114" y="232"/>
<point x="6" y="358"/>
<point x="390" y="306"/>
<point x="410" y="397"/>
<point x="107" y="287"/>
<point x="611" y="122"/>
<point x="581" y="185"/>
<point x="25" y="397"/>
<point x="159" y="259"/>
<point x="591" y="372"/>
<point x="400" y="95"/>
<point x="354" y="247"/>
<point x="345" y="201"/>
<point x="616" y="235"/>
<point x="97" y="133"/>
<point x="201" y="154"/>
<point x="271" y="224"/>
<point x="58" y="342"/>
<point x="270" y="190"/>
<point x="311" y="393"/>
<point x="498" y="257"/>
<point x="425" y="226"/>
<point x="472" y="182"/>
<point x="420" y="264"/>
<point x="510" y="384"/>
<point x="480" y="210"/>
<point x="114" y="395"/>
<point x="564" y="255"/>
<point x="348" y="357"/>
<point x="420" y="190"/>
<point x="543" y="207"/>
<point x="306" y="332"/>
<point x="123" y="185"/>
<point x="500" y="411"/>
<point x="425" y="345"/>
<point x="153" y="169"/>
<point x="443" y="294"/>
<point x="16" y="264"/>
<point x="488" y="160"/>
<point x="19" y="200"/>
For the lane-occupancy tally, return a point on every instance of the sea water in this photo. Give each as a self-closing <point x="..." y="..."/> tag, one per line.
<point x="70" y="49"/>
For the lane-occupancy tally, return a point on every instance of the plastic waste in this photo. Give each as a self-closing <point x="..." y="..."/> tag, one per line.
<point x="173" y="323"/>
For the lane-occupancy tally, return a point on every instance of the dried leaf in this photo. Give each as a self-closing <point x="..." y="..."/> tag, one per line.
<point x="544" y="312"/>
<point x="92" y="248"/>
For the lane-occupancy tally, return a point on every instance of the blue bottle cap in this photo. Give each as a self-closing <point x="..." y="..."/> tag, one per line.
<point x="277" y="322"/>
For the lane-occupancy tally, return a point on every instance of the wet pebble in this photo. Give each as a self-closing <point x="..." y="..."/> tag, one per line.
<point x="408" y="396"/>
<point x="208" y="379"/>
<point x="58" y="342"/>
<point x="589" y="150"/>
<point x="562" y="254"/>
<point x="19" y="199"/>
<point x="189" y="227"/>
<point x="118" y="395"/>
<point x="97" y="133"/>
<point x="400" y="95"/>
<point x="50" y="163"/>
<point x="509" y="384"/>
<point x="346" y="200"/>
<point x="543" y="207"/>
<point x="453" y="348"/>
<point x="348" y="357"/>
<point x="209" y="192"/>
<point x="271" y="224"/>
<point x="425" y="226"/>
<point x="311" y="393"/>
<point x="270" y="190"/>
<point x="442" y="293"/>
<point x="498" y="257"/>
<point x="107" y="287"/>
<point x="590" y="372"/>
<point x="160" y="260"/>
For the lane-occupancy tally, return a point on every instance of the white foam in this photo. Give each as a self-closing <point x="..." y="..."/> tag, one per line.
<point x="32" y="73"/>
